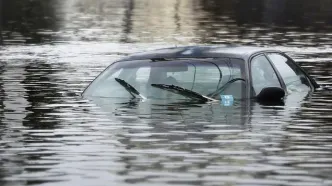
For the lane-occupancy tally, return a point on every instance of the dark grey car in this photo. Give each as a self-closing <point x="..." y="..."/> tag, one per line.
<point x="205" y="73"/>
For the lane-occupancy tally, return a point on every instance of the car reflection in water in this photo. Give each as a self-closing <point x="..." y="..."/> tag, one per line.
<point x="217" y="112"/>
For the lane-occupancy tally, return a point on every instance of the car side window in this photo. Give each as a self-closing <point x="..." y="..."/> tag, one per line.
<point x="262" y="74"/>
<point x="293" y="77"/>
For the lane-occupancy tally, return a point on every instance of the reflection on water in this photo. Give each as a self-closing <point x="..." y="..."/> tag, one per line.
<point x="28" y="21"/>
<point x="52" y="49"/>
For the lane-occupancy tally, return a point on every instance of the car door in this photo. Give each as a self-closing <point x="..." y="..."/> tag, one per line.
<point x="294" y="78"/>
<point x="263" y="75"/>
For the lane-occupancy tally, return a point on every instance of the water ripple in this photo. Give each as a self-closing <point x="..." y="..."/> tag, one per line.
<point x="50" y="135"/>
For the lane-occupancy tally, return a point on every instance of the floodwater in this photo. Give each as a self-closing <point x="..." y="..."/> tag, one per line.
<point x="49" y="135"/>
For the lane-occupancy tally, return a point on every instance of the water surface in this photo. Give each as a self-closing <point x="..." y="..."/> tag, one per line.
<point x="52" y="49"/>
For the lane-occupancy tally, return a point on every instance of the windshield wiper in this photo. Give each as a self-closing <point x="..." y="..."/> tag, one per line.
<point x="225" y="86"/>
<point x="182" y="91"/>
<point x="129" y="88"/>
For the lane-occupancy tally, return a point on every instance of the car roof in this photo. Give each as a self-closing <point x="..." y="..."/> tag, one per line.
<point x="213" y="51"/>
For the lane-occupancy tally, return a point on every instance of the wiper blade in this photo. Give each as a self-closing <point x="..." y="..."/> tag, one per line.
<point x="182" y="91"/>
<point x="225" y="86"/>
<point x="132" y="90"/>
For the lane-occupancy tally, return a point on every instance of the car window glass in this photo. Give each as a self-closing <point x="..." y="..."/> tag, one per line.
<point x="226" y="73"/>
<point x="207" y="78"/>
<point x="293" y="77"/>
<point x="112" y="88"/>
<point x="262" y="74"/>
<point x="183" y="78"/>
<point x="168" y="73"/>
<point x="201" y="76"/>
<point x="142" y="74"/>
<point x="235" y="89"/>
<point x="141" y="78"/>
<point x="233" y="70"/>
<point x="115" y="74"/>
<point x="237" y="71"/>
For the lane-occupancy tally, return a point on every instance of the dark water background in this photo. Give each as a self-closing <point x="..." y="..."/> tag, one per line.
<point x="51" y="49"/>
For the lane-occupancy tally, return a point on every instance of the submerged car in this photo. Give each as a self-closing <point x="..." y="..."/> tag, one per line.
<point x="204" y="73"/>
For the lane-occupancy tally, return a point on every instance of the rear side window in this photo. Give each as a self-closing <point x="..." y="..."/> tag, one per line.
<point x="293" y="77"/>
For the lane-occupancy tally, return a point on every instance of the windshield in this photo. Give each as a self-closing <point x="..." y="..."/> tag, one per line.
<point x="203" y="76"/>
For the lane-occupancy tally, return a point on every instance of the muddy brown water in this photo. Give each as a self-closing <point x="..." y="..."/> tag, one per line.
<point x="52" y="49"/>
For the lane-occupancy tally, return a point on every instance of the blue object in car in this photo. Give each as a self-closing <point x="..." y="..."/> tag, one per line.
<point x="227" y="100"/>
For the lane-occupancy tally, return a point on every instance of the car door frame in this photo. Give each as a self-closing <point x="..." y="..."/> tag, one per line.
<point x="263" y="53"/>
